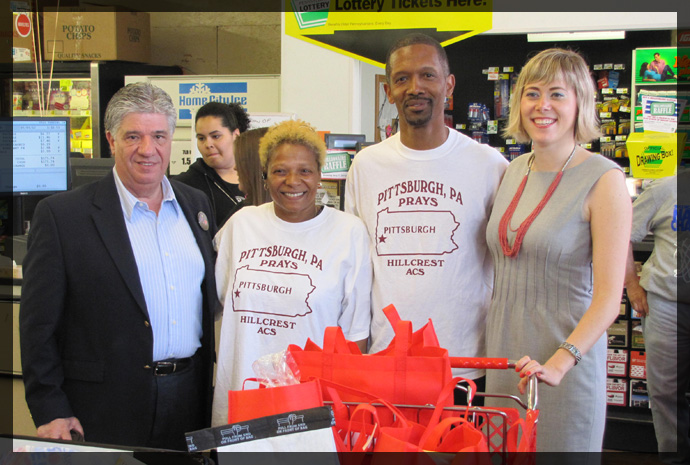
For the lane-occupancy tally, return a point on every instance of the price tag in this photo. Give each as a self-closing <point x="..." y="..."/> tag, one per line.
<point x="511" y="141"/>
<point x="587" y="145"/>
<point x="605" y="139"/>
<point x="622" y="137"/>
<point x="508" y="69"/>
<point x="622" y="90"/>
<point x="607" y="91"/>
<point x="605" y="114"/>
<point x="624" y="109"/>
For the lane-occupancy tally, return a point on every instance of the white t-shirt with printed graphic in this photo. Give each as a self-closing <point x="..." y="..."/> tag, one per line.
<point x="281" y="283"/>
<point x="426" y="212"/>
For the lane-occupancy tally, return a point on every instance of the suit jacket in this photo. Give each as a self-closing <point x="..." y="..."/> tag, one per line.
<point x="85" y="334"/>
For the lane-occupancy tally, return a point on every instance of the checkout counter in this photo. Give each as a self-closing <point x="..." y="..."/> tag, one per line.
<point x="11" y="384"/>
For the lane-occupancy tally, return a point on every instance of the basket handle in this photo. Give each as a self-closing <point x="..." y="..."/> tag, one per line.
<point x="479" y="362"/>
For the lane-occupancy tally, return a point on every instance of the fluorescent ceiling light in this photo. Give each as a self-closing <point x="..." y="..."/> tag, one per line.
<point x="581" y="35"/>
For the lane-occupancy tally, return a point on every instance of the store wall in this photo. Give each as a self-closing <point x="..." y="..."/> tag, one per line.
<point x="217" y="43"/>
<point x="321" y="88"/>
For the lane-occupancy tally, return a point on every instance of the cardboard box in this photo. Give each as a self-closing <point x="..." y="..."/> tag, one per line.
<point x="616" y="362"/>
<point x="101" y="33"/>
<point x="23" y="50"/>
<point x="639" y="395"/>
<point x="638" y="364"/>
<point x="616" y="391"/>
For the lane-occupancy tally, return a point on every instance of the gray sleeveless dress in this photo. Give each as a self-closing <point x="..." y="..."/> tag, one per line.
<point x="540" y="296"/>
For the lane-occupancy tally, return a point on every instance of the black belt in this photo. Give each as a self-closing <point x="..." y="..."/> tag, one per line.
<point x="168" y="367"/>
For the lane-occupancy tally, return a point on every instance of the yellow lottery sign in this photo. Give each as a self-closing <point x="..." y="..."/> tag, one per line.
<point x="364" y="29"/>
<point x="654" y="154"/>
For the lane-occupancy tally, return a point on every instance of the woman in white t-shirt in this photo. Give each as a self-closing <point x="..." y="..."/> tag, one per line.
<point x="288" y="269"/>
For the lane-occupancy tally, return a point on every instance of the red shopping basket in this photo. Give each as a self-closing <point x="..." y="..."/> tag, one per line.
<point x="510" y="432"/>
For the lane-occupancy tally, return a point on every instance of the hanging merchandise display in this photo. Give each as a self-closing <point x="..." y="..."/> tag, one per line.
<point x="613" y="109"/>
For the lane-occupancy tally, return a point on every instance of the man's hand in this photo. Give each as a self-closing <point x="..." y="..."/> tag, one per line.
<point x="638" y="299"/>
<point x="60" y="428"/>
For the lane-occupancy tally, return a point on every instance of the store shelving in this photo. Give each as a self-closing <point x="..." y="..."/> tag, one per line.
<point x="79" y="90"/>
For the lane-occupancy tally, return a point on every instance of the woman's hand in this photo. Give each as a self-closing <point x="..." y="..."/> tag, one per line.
<point x="547" y="373"/>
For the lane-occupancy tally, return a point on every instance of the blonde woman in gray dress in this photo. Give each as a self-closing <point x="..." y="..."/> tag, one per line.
<point x="558" y="236"/>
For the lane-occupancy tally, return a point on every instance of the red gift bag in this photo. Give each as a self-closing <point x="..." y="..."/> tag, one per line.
<point x="249" y="404"/>
<point x="361" y="428"/>
<point x="412" y="370"/>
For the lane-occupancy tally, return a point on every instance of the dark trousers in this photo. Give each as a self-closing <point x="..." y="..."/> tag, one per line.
<point x="180" y="408"/>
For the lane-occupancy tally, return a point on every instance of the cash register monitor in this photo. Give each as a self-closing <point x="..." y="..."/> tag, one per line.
<point x="40" y="154"/>
<point x="86" y="170"/>
<point x="343" y="141"/>
<point x="39" y="166"/>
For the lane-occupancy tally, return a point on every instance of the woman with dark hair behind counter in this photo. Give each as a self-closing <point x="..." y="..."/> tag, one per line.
<point x="217" y="126"/>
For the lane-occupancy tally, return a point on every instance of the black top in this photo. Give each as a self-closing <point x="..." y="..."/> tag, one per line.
<point x="226" y="198"/>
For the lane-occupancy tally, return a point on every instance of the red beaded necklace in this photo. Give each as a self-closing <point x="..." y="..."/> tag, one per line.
<point x="503" y="225"/>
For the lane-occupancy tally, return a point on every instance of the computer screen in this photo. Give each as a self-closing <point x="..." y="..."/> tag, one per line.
<point x="343" y="141"/>
<point x="86" y="170"/>
<point x="40" y="153"/>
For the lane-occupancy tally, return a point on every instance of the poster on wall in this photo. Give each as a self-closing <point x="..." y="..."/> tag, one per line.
<point x="256" y="93"/>
<point x="386" y="117"/>
<point x="663" y="65"/>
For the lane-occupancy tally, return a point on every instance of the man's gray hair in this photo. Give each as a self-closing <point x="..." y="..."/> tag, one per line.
<point x="139" y="97"/>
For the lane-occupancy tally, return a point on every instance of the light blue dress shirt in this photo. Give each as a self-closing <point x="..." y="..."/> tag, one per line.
<point x="171" y="270"/>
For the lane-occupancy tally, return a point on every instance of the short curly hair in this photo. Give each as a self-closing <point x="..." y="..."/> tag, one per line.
<point x="291" y="132"/>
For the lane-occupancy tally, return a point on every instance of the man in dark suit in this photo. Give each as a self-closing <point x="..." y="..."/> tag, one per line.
<point x="119" y="296"/>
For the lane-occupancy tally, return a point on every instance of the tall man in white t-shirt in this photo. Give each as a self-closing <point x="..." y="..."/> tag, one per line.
<point x="425" y="195"/>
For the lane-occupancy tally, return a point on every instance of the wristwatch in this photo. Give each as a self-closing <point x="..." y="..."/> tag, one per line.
<point x="574" y="351"/>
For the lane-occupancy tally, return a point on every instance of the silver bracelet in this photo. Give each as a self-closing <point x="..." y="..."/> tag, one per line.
<point x="574" y="351"/>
